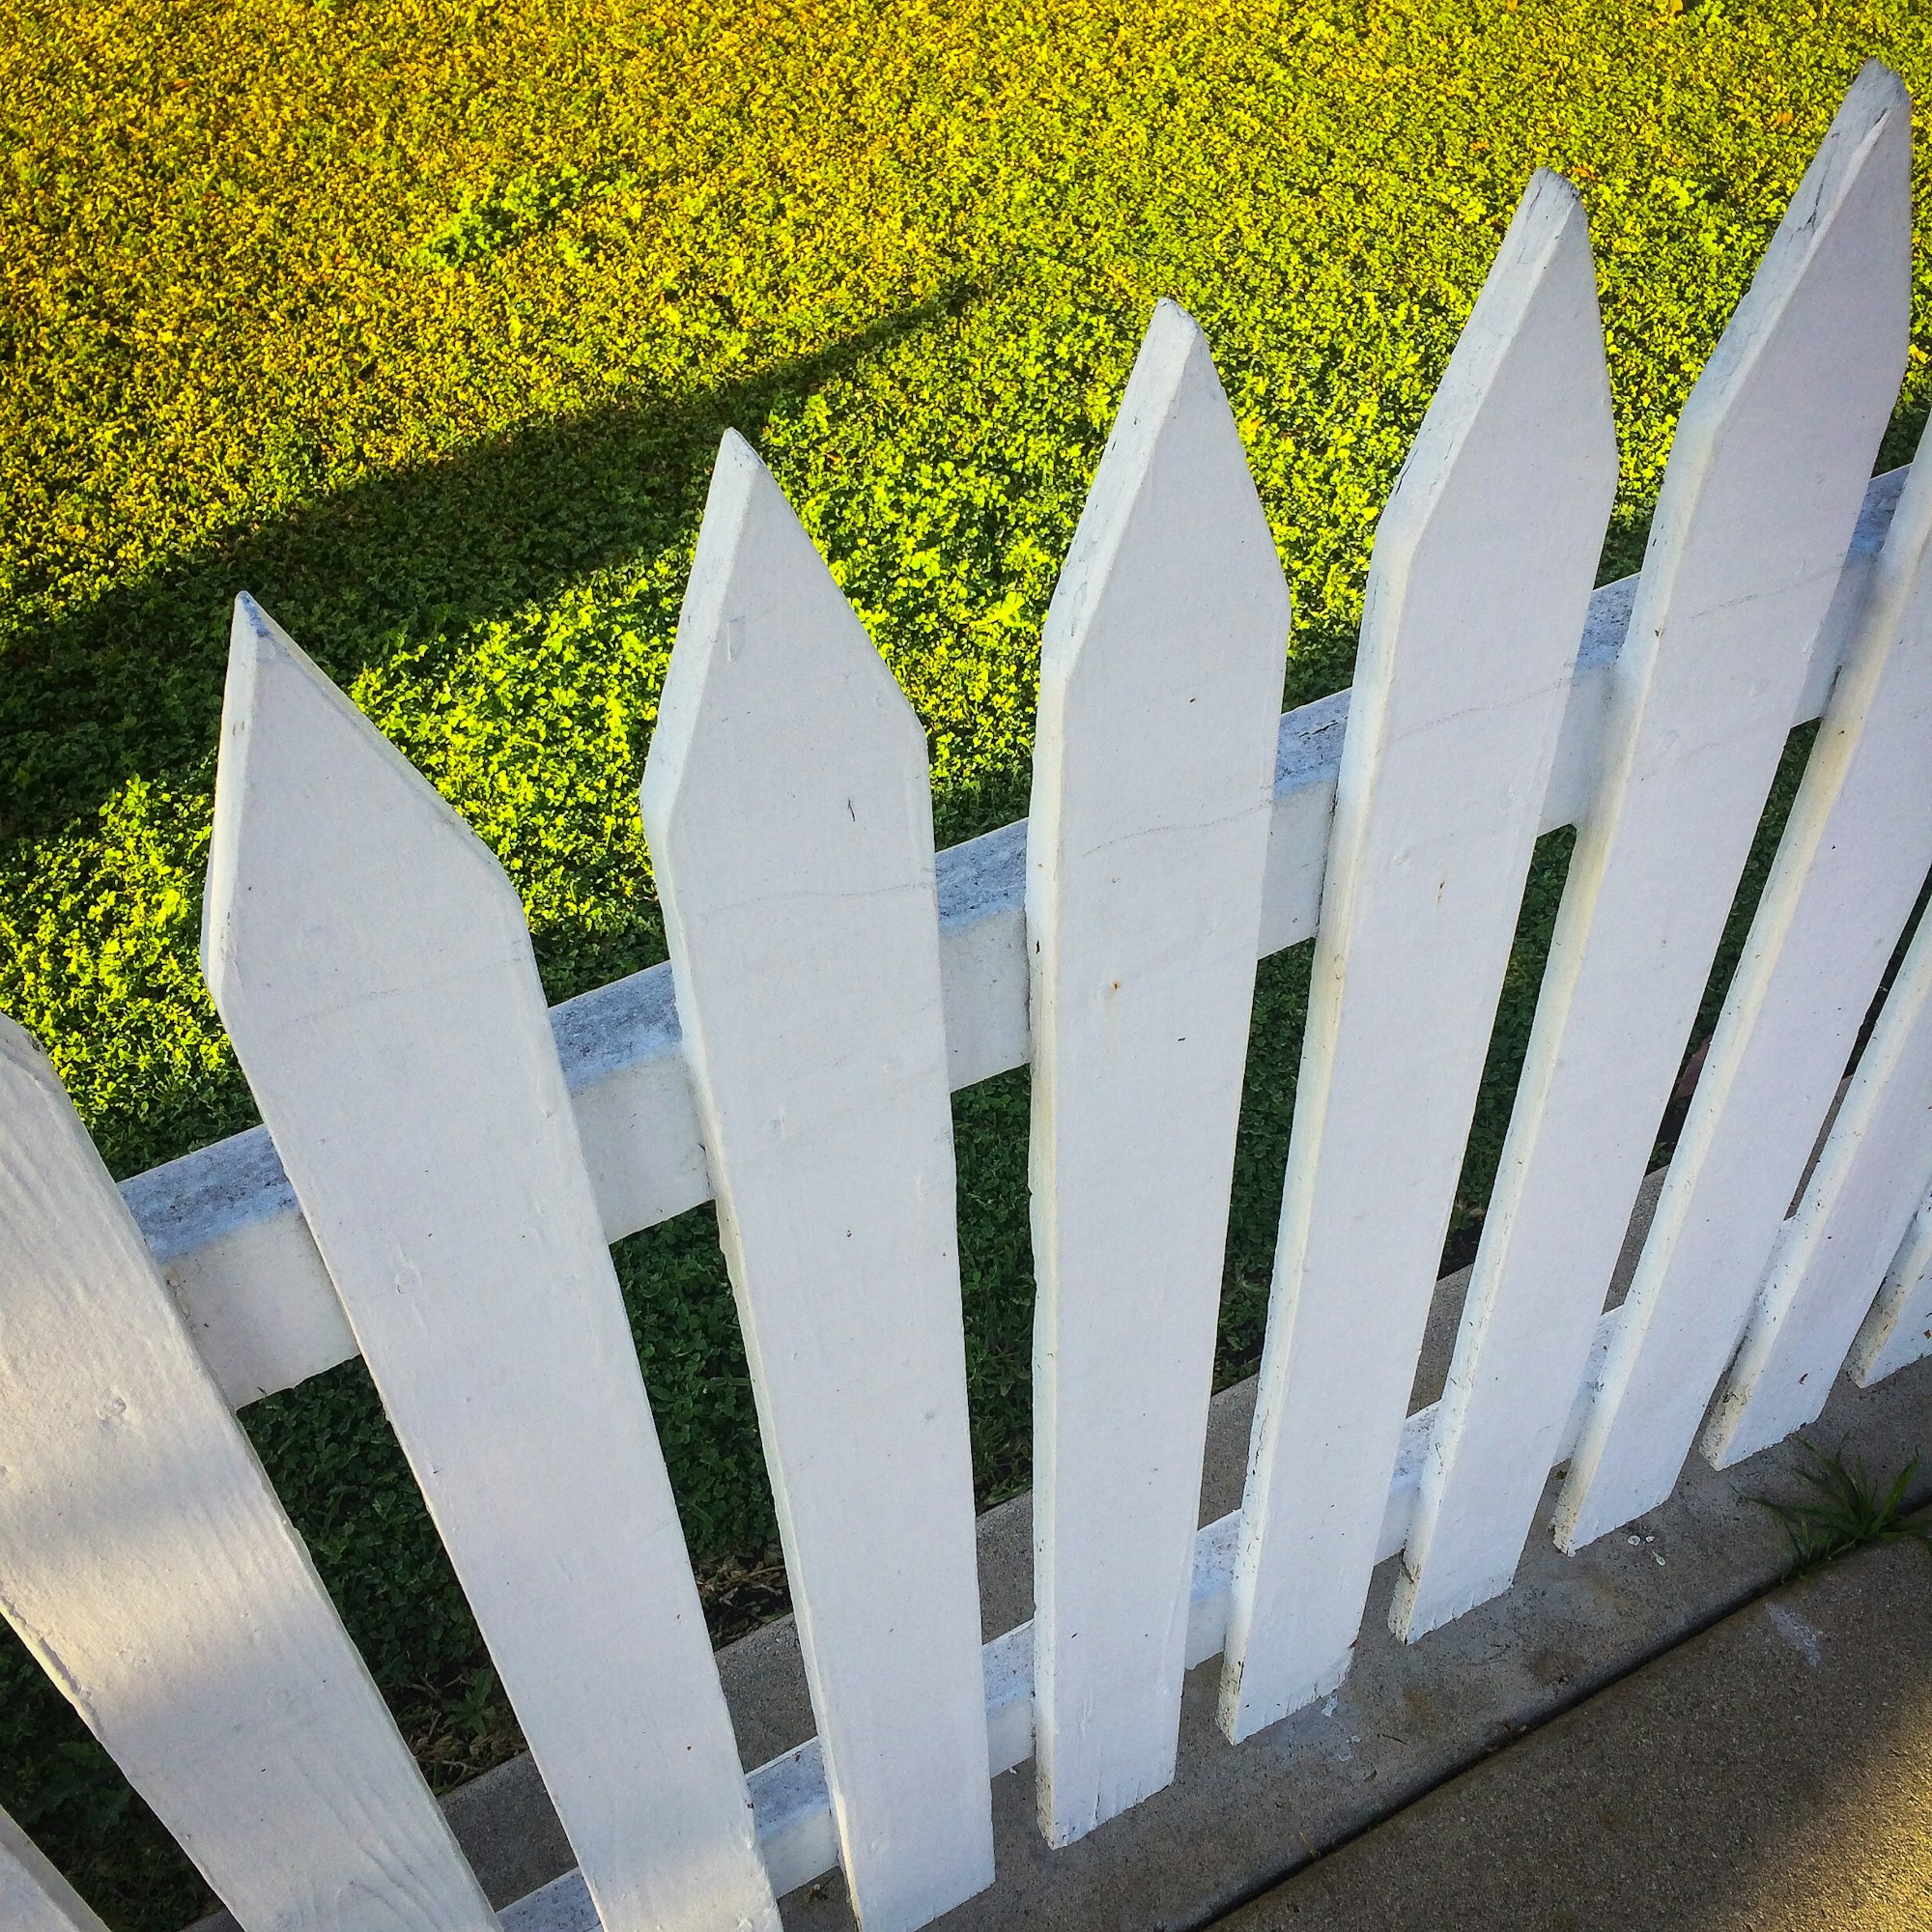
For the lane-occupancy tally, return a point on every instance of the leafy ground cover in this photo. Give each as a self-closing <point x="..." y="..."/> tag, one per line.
<point x="422" y="323"/>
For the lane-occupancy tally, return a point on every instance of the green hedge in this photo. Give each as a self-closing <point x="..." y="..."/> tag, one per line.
<point x="422" y="323"/>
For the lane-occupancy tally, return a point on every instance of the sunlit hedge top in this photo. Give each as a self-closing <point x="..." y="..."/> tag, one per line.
<point x="423" y="322"/>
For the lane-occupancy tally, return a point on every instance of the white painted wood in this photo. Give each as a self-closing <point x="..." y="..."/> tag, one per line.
<point x="1308" y="758"/>
<point x="1856" y="1210"/>
<point x="226" y="1227"/>
<point x="371" y="964"/>
<point x="1215" y="1545"/>
<point x="797" y="1838"/>
<point x="623" y="1062"/>
<point x="227" y="1233"/>
<point x="983" y="954"/>
<point x="1477" y="592"/>
<point x="145" y="1562"/>
<point x="1007" y="1663"/>
<point x="1756" y="509"/>
<point x="789" y="1794"/>
<point x="1764" y="484"/>
<point x="1898" y="1330"/>
<point x="34" y="1897"/>
<point x="787" y="805"/>
<point x="1161" y="667"/>
<point x="564" y="1905"/>
<point x="1853" y="857"/>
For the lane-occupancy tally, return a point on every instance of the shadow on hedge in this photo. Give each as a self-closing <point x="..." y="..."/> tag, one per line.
<point x="131" y="683"/>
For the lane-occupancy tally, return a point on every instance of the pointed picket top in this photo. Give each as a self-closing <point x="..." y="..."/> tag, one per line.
<point x="1174" y="475"/>
<point x="768" y="650"/>
<point x="153" y="1573"/>
<point x="1835" y="255"/>
<point x="34" y="1897"/>
<point x="1752" y="526"/>
<point x="1538" y="301"/>
<point x="786" y="808"/>
<point x="295" y="754"/>
<point x="371" y="964"/>
<point x="1147" y="844"/>
<point x="1480" y="577"/>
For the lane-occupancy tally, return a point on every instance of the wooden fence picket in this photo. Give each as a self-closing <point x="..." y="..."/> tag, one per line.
<point x="145" y="1562"/>
<point x="1152" y="799"/>
<point x="1854" y="855"/>
<point x="373" y="968"/>
<point x="1481" y="575"/>
<point x="788" y="808"/>
<point x="1857" y="1209"/>
<point x="1817" y="369"/>
<point x="1756" y="511"/>
<point x="1898" y="1330"/>
<point x="34" y="1897"/>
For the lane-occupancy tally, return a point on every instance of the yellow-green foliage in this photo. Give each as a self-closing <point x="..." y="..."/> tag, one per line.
<point x="422" y="321"/>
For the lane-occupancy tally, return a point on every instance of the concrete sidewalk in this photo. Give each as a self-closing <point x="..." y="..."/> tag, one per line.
<point x="1774" y="1775"/>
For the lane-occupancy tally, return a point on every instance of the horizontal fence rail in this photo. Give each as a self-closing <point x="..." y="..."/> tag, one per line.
<point x="228" y="1232"/>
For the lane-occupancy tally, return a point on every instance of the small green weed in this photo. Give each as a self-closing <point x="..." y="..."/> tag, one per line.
<point x="1848" y="1509"/>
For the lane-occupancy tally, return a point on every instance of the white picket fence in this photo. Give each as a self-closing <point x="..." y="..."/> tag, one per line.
<point x="445" y="1162"/>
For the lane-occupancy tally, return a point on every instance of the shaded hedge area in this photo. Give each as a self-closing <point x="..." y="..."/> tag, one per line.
<point x="422" y="323"/>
